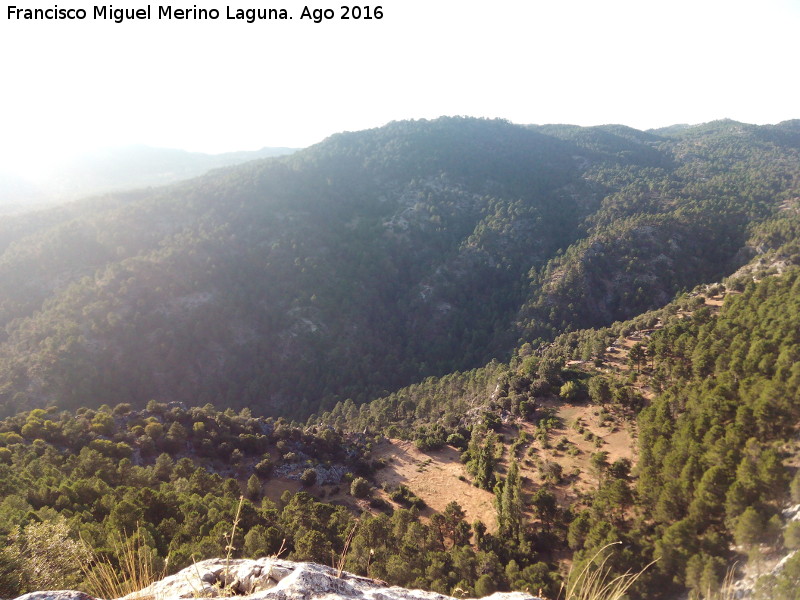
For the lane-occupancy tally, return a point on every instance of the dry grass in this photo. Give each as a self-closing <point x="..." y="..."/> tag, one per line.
<point x="343" y="556"/>
<point x="136" y="570"/>
<point x="229" y="548"/>
<point x="596" y="582"/>
<point x="727" y="590"/>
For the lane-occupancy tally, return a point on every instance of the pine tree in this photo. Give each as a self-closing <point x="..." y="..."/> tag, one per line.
<point x="485" y="464"/>
<point x="253" y="491"/>
<point x="509" y="505"/>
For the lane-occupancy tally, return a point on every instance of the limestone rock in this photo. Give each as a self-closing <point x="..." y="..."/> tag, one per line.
<point x="275" y="579"/>
<point x="56" y="595"/>
<point x="745" y="586"/>
<point x="269" y="579"/>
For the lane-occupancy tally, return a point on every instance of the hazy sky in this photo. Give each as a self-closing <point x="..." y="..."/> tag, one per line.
<point x="225" y="85"/>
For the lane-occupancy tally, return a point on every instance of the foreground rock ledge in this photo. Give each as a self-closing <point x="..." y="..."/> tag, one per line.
<point x="270" y="579"/>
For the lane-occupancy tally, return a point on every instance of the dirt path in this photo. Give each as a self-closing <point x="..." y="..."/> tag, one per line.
<point x="616" y="356"/>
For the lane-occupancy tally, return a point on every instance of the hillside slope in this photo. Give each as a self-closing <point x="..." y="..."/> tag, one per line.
<point x="374" y="259"/>
<point x="504" y="475"/>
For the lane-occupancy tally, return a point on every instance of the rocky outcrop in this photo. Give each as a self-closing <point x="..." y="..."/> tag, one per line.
<point x="269" y="579"/>
<point x="745" y="586"/>
<point x="57" y="595"/>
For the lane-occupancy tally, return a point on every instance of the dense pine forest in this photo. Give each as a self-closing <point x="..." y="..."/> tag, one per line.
<point x="375" y="259"/>
<point x="596" y="328"/>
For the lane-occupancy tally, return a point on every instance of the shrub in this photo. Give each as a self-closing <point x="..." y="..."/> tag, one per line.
<point x="405" y="497"/>
<point x="46" y="555"/>
<point x="264" y="467"/>
<point x="485" y="586"/>
<point x="309" y="477"/>
<point x="492" y="421"/>
<point x="620" y="469"/>
<point x="378" y="503"/>
<point x="791" y="537"/>
<point x="457" y="441"/>
<point x="360" y="488"/>
<point x="570" y="391"/>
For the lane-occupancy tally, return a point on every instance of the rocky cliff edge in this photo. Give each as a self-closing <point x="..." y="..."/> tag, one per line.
<point x="268" y="579"/>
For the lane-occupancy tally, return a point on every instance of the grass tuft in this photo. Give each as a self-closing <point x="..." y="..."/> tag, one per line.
<point x="343" y="556"/>
<point x="229" y="548"/>
<point x="135" y="572"/>
<point x="597" y="583"/>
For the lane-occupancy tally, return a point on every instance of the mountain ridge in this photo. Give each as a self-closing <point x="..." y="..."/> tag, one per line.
<point x="374" y="259"/>
<point x="114" y="169"/>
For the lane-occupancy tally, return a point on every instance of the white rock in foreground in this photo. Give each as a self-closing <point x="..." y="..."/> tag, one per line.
<point x="270" y="579"/>
<point x="56" y="595"/>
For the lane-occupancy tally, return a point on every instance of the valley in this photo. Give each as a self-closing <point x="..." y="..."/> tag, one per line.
<point x="458" y="354"/>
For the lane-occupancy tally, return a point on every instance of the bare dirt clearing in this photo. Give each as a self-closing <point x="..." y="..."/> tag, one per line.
<point x="581" y="429"/>
<point x="434" y="477"/>
<point x="571" y="447"/>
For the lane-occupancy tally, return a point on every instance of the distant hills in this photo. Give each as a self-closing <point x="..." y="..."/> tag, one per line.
<point x="376" y="258"/>
<point x="115" y="169"/>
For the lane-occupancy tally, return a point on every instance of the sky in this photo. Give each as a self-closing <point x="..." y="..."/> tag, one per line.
<point x="224" y="85"/>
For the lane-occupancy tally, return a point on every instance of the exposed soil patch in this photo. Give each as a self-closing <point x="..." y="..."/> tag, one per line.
<point x="276" y="487"/>
<point x="438" y="477"/>
<point x="434" y="477"/>
<point x="572" y="449"/>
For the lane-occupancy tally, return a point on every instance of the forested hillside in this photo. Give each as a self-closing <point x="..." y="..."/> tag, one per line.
<point x="714" y="462"/>
<point x="377" y="258"/>
<point x="584" y="335"/>
<point x="713" y="395"/>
